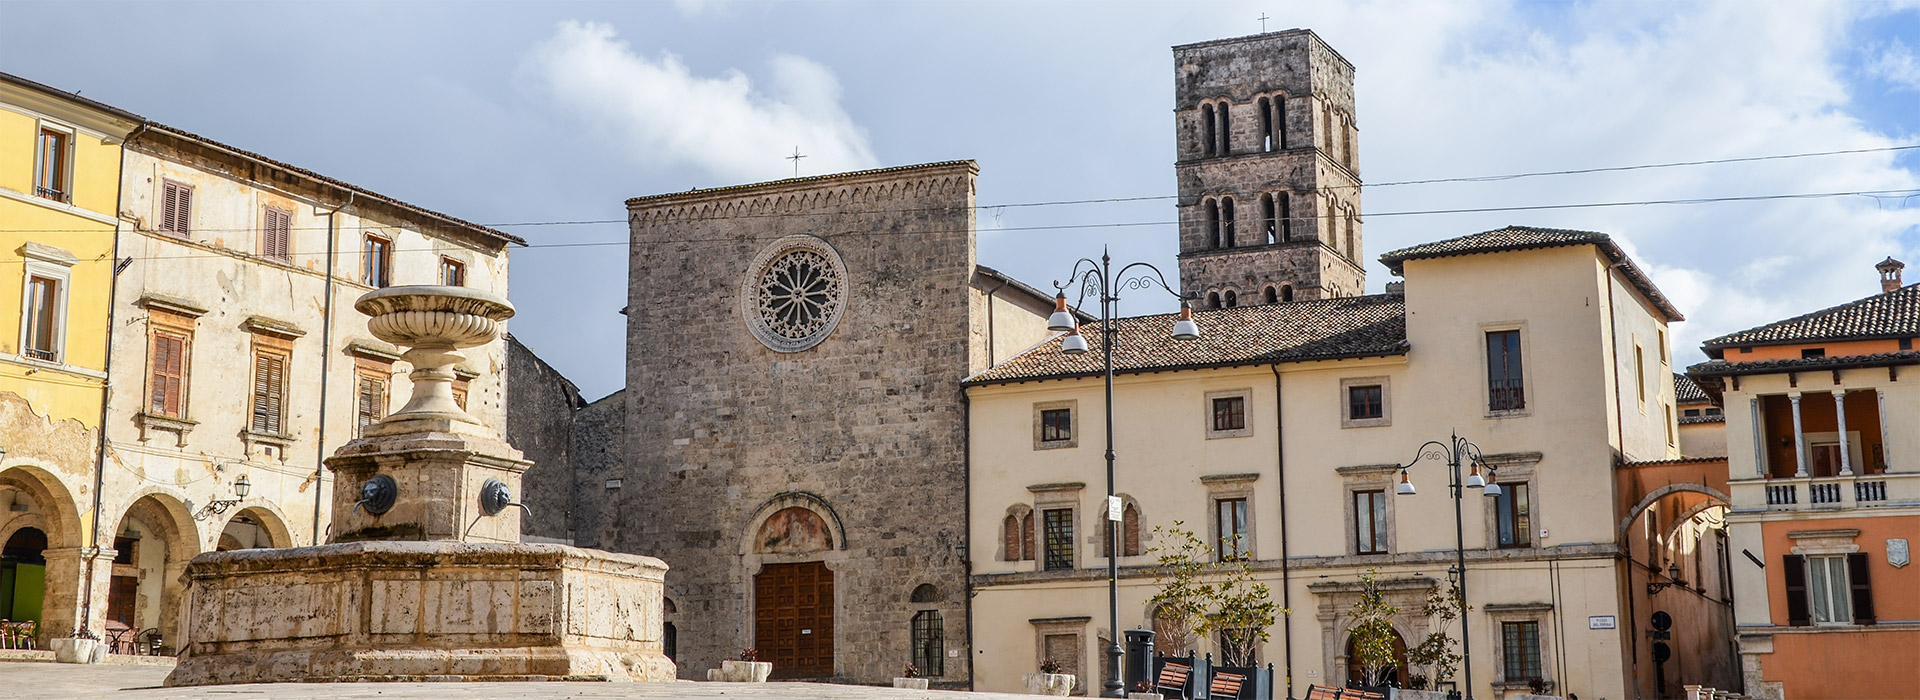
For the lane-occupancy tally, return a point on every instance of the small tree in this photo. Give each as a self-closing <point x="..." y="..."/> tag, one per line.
<point x="1372" y="632"/>
<point x="1436" y="653"/>
<point x="1201" y="596"/>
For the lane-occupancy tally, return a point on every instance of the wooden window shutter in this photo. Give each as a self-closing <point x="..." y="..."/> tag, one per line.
<point x="1862" y="590"/>
<point x="169" y="375"/>
<point x="269" y="377"/>
<point x="1794" y="568"/>
<point x="372" y="403"/>
<point x="276" y="239"/>
<point x="176" y="208"/>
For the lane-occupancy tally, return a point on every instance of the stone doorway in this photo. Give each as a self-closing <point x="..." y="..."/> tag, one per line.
<point x="1396" y="678"/>
<point x="23" y="577"/>
<point x="793" y="619"/>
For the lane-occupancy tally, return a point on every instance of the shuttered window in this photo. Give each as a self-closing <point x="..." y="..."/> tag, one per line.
<point x="371" y="405"/>
<point x="269" y="392"/>
<point x="460" y="394"/>
<point x="276" y="234"/>
<point x="168" y="375"/>
<point x="176" y="208"/>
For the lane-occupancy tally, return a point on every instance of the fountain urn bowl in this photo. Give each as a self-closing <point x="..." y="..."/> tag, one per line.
<point x="435" y="323"/>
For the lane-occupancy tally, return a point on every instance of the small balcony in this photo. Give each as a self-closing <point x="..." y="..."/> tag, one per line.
<point x="1811" y="493"/>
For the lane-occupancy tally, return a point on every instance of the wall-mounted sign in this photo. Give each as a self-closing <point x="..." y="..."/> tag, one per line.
<point x="1114" y="509"/>
<point x="1600" y="622"/>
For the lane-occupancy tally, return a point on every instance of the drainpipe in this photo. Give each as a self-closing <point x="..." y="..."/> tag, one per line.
<point x="106" y="385"/>
<point x="966" y="464"/>
<point x="1286" y="565"/>
<point x="326" y="370"/>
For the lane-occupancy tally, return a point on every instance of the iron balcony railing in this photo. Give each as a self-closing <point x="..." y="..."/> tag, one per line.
<point x="1506" y="394"/>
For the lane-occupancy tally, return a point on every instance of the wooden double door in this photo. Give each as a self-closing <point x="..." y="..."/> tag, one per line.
<point x="793" y="619"/>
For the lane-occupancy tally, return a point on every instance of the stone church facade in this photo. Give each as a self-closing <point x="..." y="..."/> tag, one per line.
<point x="794" y="424"/>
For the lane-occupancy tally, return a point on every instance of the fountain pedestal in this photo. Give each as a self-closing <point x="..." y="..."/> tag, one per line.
<point x="425" y="578"/>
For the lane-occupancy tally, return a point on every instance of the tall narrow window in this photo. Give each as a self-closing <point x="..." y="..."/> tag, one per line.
<point x="1280" y="122"/>
<point x="1346" y="142"/>
<point x="52" y="166"/>
<point x="1129" y="528"/>
<point x="1520" y="647"/>
<point x="1206" y="129"/>
<point x="1640" y="377"/>
<point x="1370" y="522"/>
<point x="1286" y="218"/>
<point x="1512" y="511"/>
<point x="1213" y="300"/>
<point x="1506" y="390"/>
<point x="376" y="259"/>
<point x="1830" y="590"/>
<point x="269" y="392"/>
<point x="1027" y="550"/>
<point x="371" y="399"/>
<point x="929" y="643"/>
<point x="460" y="393"/>
<point x="276" y="234"/>
<point x="1269" y="227"/>
<point x="1266" y="125"/>
<point x="1059" y="538"/>
<point x="453" y="273"/>
<point x="1286" y="292"/>
<point x="1226" y="130"/>
<point x="1232" y="299"/>
<point x="176" y="208"/>
<point x="1213" y="223"/>
<point x="1230" y="528"/>
<point x="1272" y="295"/>
<point x="1226" y="221"/>
<point x="43" y="318"/>
<point x="167" y="374"/>
<point x="1353" y="235"/>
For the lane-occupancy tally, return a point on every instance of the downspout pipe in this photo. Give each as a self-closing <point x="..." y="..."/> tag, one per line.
<point x="106" y="388"/>
<point x="1286" y="562"/>
<point x="326" y="370"/>
<point x="966" y="536"/>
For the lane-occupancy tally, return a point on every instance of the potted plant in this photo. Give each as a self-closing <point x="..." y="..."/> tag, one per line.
<point x="910" y="679"/>
<point x="1437" y="652"/>
<point x="1050" y="680"/>
<point x="746" y="669"/>
<point x="82" y="646"/>
<point x="1373" y="634"/>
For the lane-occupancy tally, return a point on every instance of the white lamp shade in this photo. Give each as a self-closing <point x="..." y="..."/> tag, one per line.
<point x="1474" y="481"/>
<point x="1074" y="344"/>
<point x="1405" y="488"/>
<point x="1493" y="490"/>
<point x="1060" y="322"/>
<point x="1186" y="329"/>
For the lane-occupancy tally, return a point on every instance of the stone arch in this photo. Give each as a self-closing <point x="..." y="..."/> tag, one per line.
<point x="1664" y="491"/>
<point x="157" y="604"/>
<point x="926" y="593"/>
<point x="1401" y="665"/>
<point x="52" y="501"/>
<point x="835" y="531"/>
<point x="1016" y="534"/>
<point x="267" y="517"/>
<point x="1131" y="534"/>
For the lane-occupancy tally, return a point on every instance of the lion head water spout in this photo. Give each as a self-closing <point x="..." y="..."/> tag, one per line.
<point x="435" y="323"/>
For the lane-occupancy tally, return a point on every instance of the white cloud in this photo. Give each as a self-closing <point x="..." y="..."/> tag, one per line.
<point x="1897" y="65"/>
<point x="1479" y="91"/>
<point x="663" y="115"/>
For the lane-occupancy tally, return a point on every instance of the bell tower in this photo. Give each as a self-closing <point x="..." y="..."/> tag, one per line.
<point x="1268" y="170"/>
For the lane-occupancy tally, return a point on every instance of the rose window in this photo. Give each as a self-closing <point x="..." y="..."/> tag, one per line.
<point x="794" y="294"/>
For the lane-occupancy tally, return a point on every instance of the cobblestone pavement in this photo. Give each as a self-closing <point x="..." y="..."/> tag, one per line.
<point x="37" y="681"/>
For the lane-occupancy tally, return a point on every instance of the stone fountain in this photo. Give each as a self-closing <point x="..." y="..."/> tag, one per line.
<point x="424" y="578"/>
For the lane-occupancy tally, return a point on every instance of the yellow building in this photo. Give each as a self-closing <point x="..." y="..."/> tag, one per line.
<point x="1280" y="434"/>
<point x="60" y="159"/>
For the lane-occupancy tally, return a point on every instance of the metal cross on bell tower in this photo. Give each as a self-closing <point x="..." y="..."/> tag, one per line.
<point x="1263" y="22"/>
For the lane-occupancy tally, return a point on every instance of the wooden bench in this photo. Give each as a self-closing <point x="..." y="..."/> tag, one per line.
<point x="1225" y="685"/>
<point x="1321" y="692"/>
<point x="1358" y="694"/>
<point x="1174" y="677"/>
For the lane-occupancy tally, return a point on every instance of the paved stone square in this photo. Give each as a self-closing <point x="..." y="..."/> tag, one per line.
<point x="47" y="681"/>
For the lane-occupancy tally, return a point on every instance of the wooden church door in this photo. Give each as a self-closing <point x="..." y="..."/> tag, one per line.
<point x="793" y="619"/>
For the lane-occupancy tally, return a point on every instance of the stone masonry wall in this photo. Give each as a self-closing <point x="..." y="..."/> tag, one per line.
<point x="540" y="418"/>
<point x="599" y="449"/>
<point x="722" y="429"/>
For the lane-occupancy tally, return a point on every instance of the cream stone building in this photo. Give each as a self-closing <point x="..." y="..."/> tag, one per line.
<point x="1286" y="425"/>
<point x="234" y="362"/>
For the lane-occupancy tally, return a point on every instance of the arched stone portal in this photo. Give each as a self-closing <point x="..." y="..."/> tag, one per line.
<point x="23" y="576"/>
<point x="1397" y="678"/>
<point x="153" y="542"/>
<point x="35" y="499"/>
<point x="793" y="587"/>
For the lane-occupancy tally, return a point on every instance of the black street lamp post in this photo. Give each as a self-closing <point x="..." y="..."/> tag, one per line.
<point x="1099" y="278"/>
<point x="1455" y="452"/>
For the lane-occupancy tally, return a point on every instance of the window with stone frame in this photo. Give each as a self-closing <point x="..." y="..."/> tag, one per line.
<point x="1506" y="377"/>
<point x="460" y="390"/>
<point x="370" y="398"/>
<point x="1228" y="413"/>
<point x="453" y="273"/>
<point x="44" y="317"/>
<point x="1365" y="402"/>
<point x="268" y="400"/>
<point x="1232" y="531"/>
<point x="176" y="208"/>
<point x="1520" y="644"/>
<point x="376" y="261"/>
<point x="1370" y="522"/>
<point x="1129" y="533"/>
<point x="1016" y="534"/>
<point x="1054" y="425"/>
<point x="1524" y="635"/>
<point x="276" y="233"/>
<point x="169" y="351"/>
<point x="1058" y="524"/>
<point x="1513" y="515"/>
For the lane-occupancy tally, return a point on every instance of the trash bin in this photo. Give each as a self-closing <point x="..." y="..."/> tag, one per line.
<point x="1139" y="668"/>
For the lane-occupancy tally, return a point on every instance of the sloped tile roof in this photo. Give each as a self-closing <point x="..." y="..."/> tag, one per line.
<point x="1686" y="392"/>
<point x="1366" y="326"/>
<point x="1894" y="314"/>
<point x="1529" y="238"/>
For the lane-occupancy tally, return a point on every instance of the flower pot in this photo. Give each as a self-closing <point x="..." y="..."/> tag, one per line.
<point x="910" y="683"/>
<point x="73" y="650"/>
<point x="1060" y="684"/>
<point x="1145" y="696"/>
<point x="736" y="671"/>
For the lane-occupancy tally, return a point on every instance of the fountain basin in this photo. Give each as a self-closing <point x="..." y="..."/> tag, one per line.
<point x="423" y="611"/>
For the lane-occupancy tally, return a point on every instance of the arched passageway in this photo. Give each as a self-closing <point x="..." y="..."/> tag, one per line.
<point x="40" y="566"/>
<point x="152" y="544"/>
<point x="1397" y="677"/>
<point x="23" y="585"/>
<point x="254" y="528"/>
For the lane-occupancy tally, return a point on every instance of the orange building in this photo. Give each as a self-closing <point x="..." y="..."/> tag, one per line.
<point x="1824" y="478"/>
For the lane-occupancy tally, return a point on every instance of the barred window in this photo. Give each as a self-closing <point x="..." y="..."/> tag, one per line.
<point x="1059" y="538"/>
<point x="929" y="643"/>
<point x="1520" y="644"/>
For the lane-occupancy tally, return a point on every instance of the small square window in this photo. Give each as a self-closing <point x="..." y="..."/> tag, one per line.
<point x="1056" y="425"/>
<point x="377" y="262"/>
<point x="1906" y="343"/>
<point x="453" y="273"/>
<point x="1363" y="402"/>
<point x="1230" y="413"/>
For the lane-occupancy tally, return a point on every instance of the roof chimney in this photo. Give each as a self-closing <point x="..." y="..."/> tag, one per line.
<point x="1889" y="274"/>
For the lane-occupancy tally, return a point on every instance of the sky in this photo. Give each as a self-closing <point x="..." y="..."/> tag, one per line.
<point x="518" y="114"/>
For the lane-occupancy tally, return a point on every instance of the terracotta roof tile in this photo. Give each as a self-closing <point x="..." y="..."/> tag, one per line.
<point x="1894" y="314"/>
<point x="1686" y="392"/>
<point x="1530" y="238"/>
<point x="1366" y="326"/>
